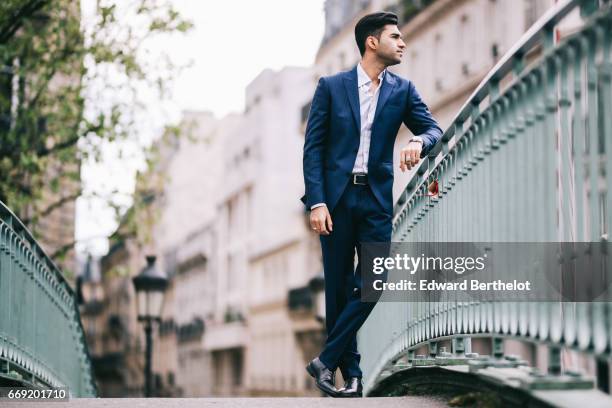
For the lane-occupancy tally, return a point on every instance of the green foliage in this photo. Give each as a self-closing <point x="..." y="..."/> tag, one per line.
<point x="66" y="88"/>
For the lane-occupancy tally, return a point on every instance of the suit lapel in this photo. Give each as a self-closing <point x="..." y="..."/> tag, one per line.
<point x="350" y="85"/>
<point x="386" y="89"/>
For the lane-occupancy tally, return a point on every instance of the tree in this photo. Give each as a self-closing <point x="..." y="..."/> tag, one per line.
<point x="66" y="88"/>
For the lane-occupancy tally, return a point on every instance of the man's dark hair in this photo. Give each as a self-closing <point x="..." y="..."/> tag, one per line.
<point x="372" y="24"/>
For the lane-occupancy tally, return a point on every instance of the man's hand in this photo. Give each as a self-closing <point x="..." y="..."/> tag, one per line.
<point x="320" y="220"/>
<point x="411" y="154"/>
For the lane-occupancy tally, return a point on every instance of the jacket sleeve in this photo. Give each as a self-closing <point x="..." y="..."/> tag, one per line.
<point x="420" y="121"/>
<point x="314" y="145"/>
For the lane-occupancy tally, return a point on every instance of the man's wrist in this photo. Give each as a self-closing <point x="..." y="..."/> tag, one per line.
<point x="417" y="139"/>
<point x="317" y="205"/>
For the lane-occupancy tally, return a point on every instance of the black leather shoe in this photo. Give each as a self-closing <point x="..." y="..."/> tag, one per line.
<point x="353" y="388"/>
<point x="324" y="377"/>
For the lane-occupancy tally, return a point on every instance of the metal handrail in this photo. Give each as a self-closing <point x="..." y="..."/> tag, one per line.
<point x="507" y="64"/>
<point x="559" y="101"/>
<point x="33" y="294"/>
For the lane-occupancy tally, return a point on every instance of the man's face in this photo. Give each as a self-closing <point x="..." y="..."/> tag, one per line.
<point x="390" y="47"/>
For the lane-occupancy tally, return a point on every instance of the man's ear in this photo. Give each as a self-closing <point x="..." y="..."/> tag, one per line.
<point x="372" y="42"/>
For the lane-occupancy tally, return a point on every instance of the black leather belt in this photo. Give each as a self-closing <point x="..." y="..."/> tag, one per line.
<point x="360" y="179"/>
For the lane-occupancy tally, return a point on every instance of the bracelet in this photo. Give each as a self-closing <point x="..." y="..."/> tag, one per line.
<point x="416" y="140"/>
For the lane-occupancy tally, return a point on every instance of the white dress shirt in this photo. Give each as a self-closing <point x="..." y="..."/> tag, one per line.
<point x="368" y="99"/>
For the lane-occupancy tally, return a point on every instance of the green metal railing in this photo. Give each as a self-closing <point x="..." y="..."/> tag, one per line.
<point x="42" y="341"/>
<point x="527" y="159"/>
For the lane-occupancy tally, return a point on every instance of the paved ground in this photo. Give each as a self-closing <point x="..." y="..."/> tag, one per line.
<point x="391" y="402"/>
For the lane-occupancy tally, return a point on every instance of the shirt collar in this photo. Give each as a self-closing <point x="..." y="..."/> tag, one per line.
<point x="363" y="78"/>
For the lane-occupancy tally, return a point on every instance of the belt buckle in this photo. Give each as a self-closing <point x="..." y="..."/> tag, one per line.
<point x="355" y="180"/>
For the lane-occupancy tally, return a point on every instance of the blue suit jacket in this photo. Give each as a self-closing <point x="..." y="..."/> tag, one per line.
<point x="333" y="133"/>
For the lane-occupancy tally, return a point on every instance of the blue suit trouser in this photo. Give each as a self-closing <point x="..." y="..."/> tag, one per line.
<point x="357" y="218"/>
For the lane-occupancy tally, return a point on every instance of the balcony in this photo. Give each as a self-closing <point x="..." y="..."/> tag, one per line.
<point x="191" y="331"/>
<point x="300" y="299"/>
<point x="225" y="336"/>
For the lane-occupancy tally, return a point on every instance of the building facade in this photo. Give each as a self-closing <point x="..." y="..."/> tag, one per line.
<point x="109" y="317"/>
<point x="233" y="237"/>
<point x="278" y="251"/>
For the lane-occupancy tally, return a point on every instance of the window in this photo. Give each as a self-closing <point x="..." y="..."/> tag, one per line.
<point x="439" y="65"/>
<point x="305" y="111"/>
<point x="467" y="45"/>
<point x="411" y="65"/>
<point x="533" y="10"/>
<point x="231" y="215"/>
<point x="236" y="357"/>
<point x="231" y="272"/>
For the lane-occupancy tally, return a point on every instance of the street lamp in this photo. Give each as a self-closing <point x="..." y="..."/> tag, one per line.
<point x="90" y="290"/>
<point x="150" y="286"/>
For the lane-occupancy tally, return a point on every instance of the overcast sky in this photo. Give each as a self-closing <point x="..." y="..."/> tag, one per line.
<point x="230" y="44"/>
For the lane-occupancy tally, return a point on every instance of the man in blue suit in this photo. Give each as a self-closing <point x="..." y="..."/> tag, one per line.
<point x="348" y="173"/>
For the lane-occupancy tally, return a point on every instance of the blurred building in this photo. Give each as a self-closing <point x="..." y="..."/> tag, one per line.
<point x="194" y="283"/>
<point x="108" y="314"/>
<point x="184" y="236"/>
<point x="278" y="247"/>
<point x="109" y="309"/>
<point x="232" y="236"/>
<point x="179" y="188"/>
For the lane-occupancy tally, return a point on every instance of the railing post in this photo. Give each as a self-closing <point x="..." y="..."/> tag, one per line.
<point x="548" y="38"/>
<point x="433" y="349"/>
<point x="554" y="360"/>
<point x="462" y="345"/>
<point x="458" y="346"/>
<point x="498" y="347"/>
<point x="518" y="64"/>
<point x="588" y="7"/>
<point x="493" y="89"/>
<point x="410" y="356"/>
<point x="603" y="375"/>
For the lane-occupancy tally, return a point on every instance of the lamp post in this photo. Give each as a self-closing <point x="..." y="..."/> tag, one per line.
<point x="150" y="286"/>
<point x="90" y="290"/>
